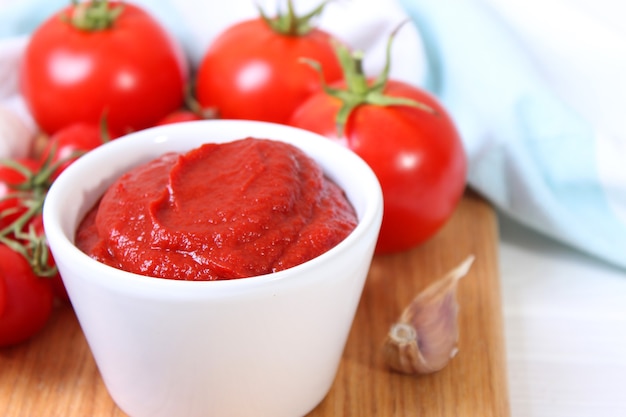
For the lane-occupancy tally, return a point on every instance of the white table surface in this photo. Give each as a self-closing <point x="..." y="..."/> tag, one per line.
<point x="565" y="328"/>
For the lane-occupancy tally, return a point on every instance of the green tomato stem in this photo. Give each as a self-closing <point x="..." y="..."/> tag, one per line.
<point x="290" y="24"/>
<point x="358" y="90"/>
<point x="92" y="16"/>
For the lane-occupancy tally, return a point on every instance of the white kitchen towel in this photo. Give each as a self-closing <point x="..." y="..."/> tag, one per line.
<point x="537" y="89"/>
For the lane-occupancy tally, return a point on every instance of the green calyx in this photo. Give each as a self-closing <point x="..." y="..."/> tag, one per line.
<point x="93" y="15"/>
<point x="358" y="90"/>
<point x="289" y="23"/>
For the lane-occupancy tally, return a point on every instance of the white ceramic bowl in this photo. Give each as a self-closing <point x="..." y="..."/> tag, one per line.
<point x="262" y="346"/>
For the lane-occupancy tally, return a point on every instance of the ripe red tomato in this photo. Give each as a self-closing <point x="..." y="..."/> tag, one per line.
<point x="11" y="207"/>
<point x="417" y="156"/>
<point x="179" y="116"/>
<point x="70" y="141"/>
<point x="132" y="71"/>
<point x="29" y="299"/>
<point x="58" y="287"/>
<point x="254" y="71"/>
<point x="3" y="295"/>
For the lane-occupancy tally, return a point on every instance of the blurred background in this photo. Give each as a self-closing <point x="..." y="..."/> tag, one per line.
<point x="538" y="91"/>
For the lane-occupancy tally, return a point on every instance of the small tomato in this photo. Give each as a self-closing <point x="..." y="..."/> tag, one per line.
<point x="3" y="295"/>
<point x="70" y="142"/>
<point x="11" y="205"/>
<point x="179" y="116"/>
<point x="29" y="299"/>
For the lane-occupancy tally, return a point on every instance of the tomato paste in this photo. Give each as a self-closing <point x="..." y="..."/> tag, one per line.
<point x="220" y="211"/>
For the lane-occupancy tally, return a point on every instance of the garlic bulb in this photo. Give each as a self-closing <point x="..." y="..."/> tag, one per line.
<point x="424" y="338"/>
<point x="16" y="138"/>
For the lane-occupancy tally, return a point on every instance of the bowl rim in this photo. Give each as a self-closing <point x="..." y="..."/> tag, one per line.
<point x="61" y="242"/>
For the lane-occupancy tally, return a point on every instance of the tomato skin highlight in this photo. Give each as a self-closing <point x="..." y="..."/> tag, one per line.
<point x="252" y="72"/>
<point x="417" y="156"/>
<point x="133" y="72"/>
<point x="29" y="299"/>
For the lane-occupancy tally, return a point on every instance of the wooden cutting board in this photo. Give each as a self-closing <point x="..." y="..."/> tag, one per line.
<point x="54" y="373"/>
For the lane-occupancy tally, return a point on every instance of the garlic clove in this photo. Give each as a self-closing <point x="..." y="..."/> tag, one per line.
<point x="424" y="338"/>
<point x="16" y="136"/>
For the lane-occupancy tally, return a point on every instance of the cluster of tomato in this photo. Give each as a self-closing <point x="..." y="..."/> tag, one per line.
<point x="98" y="70"/>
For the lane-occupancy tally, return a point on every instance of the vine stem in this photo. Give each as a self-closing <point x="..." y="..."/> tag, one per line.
<point x="94" y="15"/>
<point x="359" y="90"/>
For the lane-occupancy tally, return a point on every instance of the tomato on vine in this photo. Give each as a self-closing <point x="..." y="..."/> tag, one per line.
<point x="35" y="237"/>
<point x="3" y="295"/>
<point x="72" y="141"/>
<point x="13" y="174"/>
<point x="405" y="135"/>
<point x="253" y="70"/>
<point x="179" y="116"/>
<point x="28" y="299"/>
<point x="99" y="57"/>
<point x="28" y="271"/>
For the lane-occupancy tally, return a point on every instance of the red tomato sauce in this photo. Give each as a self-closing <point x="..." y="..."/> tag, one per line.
<point x="220" y="211"/>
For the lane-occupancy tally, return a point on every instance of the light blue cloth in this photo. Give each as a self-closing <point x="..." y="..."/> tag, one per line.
<point x="530" y="154"/>
<point x="22" y="17"/>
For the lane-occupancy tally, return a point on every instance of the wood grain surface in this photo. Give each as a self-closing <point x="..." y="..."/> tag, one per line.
<point x="54" y="373"/>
